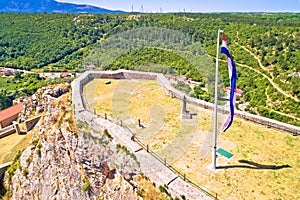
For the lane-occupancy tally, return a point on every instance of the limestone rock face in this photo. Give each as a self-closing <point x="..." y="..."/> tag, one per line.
<point x="40" y="101"/>
<point x="64" y="164"/>
<point x="48" y="173"/>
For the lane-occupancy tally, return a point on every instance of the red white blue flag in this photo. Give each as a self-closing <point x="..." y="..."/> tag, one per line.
<point x="232" y="78"/>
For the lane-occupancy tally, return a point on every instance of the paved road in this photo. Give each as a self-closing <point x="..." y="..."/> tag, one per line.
<point x="42" y="74"/>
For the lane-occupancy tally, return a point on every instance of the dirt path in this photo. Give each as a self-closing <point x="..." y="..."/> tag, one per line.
<point x="269" y="100"/>
<point x="268" y="78"/>
<point x="256" y="58"/>
<point x="281" y="113"/>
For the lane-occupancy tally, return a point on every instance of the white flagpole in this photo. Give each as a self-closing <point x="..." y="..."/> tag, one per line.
<point x="214" y="152"/>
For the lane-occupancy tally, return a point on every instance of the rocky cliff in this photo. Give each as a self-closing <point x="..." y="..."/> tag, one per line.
<point x="69" y="161"/>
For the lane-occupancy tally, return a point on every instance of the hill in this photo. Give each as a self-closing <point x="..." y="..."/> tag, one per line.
<point x="264" y="46"/>
<point x="50" y="6"/>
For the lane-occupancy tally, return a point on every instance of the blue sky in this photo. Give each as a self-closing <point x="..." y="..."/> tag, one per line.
<point x="196" y="5"/>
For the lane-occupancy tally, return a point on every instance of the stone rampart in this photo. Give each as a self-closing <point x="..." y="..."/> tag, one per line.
<point x="30" y="123"/>
<point x="7" y="131"/>
<point x="86" y="77"/>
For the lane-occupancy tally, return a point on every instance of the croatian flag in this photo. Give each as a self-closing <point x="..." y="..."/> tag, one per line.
<point x="232" y="78"/>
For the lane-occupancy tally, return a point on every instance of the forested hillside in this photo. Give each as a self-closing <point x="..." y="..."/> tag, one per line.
<point x="265" y="48"/>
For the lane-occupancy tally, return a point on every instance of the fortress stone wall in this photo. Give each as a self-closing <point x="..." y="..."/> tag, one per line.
<point x="88" y="76"/>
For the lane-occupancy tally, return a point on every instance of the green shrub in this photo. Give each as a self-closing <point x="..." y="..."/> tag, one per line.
<point x="183" y="87"/>
<point x="14" y="166"/>
<point x="140" y="193"/>
<point x="86" y="186"/>
<point x="164" y="189"/>
<point x="25" y="171"/>
<point x="106" y="133"/>
<point x="35" y="142"/>
<point x="81" y="124"/>
<point x="38" y="149"/>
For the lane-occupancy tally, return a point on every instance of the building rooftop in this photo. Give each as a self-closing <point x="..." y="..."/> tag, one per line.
<point x="65" y="74"/>
<point x="11" y="111"/>
<point x="238" y="91"/>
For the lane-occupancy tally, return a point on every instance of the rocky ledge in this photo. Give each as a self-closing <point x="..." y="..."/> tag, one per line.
<point x="71" y="162"/>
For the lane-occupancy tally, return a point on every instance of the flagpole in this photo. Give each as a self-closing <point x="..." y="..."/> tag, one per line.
<point x="214" y="152"/>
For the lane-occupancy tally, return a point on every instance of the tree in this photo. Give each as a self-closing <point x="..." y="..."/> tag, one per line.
<point x="182" y="86"/>
<point x="5" y="101"/>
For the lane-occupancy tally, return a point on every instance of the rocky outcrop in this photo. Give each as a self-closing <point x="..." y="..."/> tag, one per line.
<point x="57" y="92"/>
<point x="68" y="163"/>
<point x="40" y="101"/>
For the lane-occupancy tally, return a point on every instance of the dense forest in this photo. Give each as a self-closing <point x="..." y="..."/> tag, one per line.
<point x="265" y="48"/>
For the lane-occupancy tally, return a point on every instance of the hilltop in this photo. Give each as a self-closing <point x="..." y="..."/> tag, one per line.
<point x="88" y="155"/>
<point x="50" y="6"/>
<point x="71" y="159"/>
<point x="264" y="47"/>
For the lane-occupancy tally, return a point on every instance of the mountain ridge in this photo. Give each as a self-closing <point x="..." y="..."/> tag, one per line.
<point x="51" y="6"/>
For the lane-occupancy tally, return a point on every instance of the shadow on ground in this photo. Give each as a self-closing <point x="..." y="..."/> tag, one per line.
<point x="254" y="165"/>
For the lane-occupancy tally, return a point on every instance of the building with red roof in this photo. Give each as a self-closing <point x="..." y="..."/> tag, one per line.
<point x="8" y="115"/>
<point x="238" y="91"/>
<point x="65" y="74"/>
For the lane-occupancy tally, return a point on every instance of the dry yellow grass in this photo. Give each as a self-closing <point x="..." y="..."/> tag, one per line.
<point x="266" y="162"/>
<point x="10" y="145"/>
<point x="133" y="100"/>
<point x="98" y="95"/>
<point x="265" y="165"/>
<point x="161" y="117"/>
<point x="148" y="191"/>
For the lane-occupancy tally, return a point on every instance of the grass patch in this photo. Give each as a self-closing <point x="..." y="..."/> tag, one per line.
<point x="14" y="166"/>
<point x="262" y="156"/>
<point x="99" y="99"/>
<point x="10" y="145"/>
<point x="148" y="191"/>
<point x="3" y="81"/>
<point x="131" y="101"/>
<point x="260" y="168"/>
<point x="106" y="134"/>
<point x="127" y="152"/>
<point x="81" y="124"/>
<point x="86" y="184"/>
